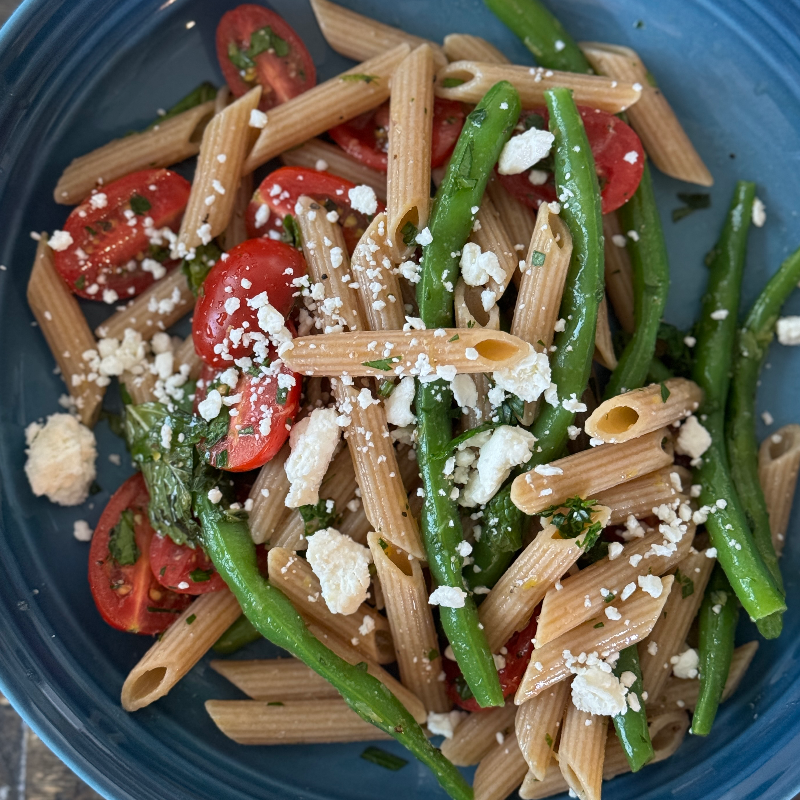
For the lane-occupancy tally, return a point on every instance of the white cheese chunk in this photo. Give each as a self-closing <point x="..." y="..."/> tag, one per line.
<point x="788" y="329"/>
<point x="447" y="596"/>
<point x="528" y="378"/>
<point x="398" y="404"/>
<point x="478" y="266"/>
<point x="685" y="665"/>
<point x="342" y="567"/>
<point x="444" y="724"/>
<point x="523" y="151"/>
<point x="313" y="441"/>
<point x="363" y="199"/>
<point x="81" y="530"/>
<point x="464" y="391"/>
<point x="596" y="691"/>
<point x="693" y="439"/>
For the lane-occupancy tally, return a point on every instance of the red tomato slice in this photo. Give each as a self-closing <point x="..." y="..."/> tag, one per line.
<point x="612" y="142"/>
<point x="244" y="447"/>
<point x="109" y="243"/>
<point x="366" y="137"/>
<point x="255" y="45"/>
<point x="128" y="596"/>
<point x="280" y="191"/>
<point x="269" y="266"/>
<point x="183" y="569"/>
<point x="519" y="647"/>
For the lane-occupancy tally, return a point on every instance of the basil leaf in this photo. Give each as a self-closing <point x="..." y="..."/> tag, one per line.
<point x="122" y="542"/>
<point x="139" y="205"/>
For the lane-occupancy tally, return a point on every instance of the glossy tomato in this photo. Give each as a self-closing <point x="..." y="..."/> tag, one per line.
<point x="222" y="317"/>
<point x="618" y="160"/>
<point x="183" y="569"/>
<point x="280" y="191"/>
<point x="111" y="250"/>
<point x="366" y="137"/>
<point x="255" y="45"/>
<point x="126" y="593"/>
<point x="519" y="649"/>
<point x="258" y="423"/>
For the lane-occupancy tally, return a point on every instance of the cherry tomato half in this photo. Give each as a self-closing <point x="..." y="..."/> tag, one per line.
<point x="255" y="45"/>
<point x="618" y="160"/>
<point x="183" y="569"/>
<point x="281" y="189"/>
<point x="519" y="647"/>
<point x="109" y="241"/>
<point x="127" y="595"/>
<point x="222" y="316"/>
<point x="366" y="137"/>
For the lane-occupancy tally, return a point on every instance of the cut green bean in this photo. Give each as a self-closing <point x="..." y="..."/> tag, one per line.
<point x="718" y="616"/>
<point x="716" y="331"/>
<point x="631" y="727"/>
<point x="241" y="633"/>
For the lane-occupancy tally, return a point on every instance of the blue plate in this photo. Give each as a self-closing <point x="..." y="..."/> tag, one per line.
<point x="72" y="76"/>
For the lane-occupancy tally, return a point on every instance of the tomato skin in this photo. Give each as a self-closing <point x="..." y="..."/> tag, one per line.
<point x="520" y="649"/>
<point x="610" y="139"/>
<point x="270" y="266"/>
<point x="292" y="183"/>
<point x="110" y="244"/>
<point x="281" y="77"/>
<point x="171" y="565"/>
<point x="123" y="594"/>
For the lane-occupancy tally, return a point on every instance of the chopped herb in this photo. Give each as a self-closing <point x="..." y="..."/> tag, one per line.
<point x="609" y="598"/>
<point x="196" y="269"/>
<point x="534" y="120"/>
<point x="201" y="575"/>
<point x="158" y="253"/>
<point x="651" y="79"/>
<point x="281" y="395"/>
<point x="383" y="545"/>
<point x="355" y="77"/>
<point x="122" y="542"/>
<point x="266" y="39"/>
<point x="291" y="232"/>
<point x="275" y="703"/>
<point x="450" y="83"/>
<point x="162" y="571"/>
<point x="464" y="437"/>
<point x="462" y="688"/>
<point x="664" y="393"/>
<point x="114" y="421"/>
<point x="548" y="740"/>
<point x="599" y="625"/>
<point x="537" y="258"/>
<point x="686" y="584"/>
<point x="385" y="388"/>
<point x="125" y="395"/>
<point x="471" y="323"/>
<point x="363" y="666"/>
<point x="202" y="94"/>
<point x="453" y="339"/>
<point x="511" y="410"/>
<point x="384" y="759"/>
<point x="90" y="230"/>
<point x="221" y="461"/>
<point x="154" y="610"/>
<point x="139" y="205"/>
<point x="217" y="429"/>
<point x="639" y="24"/>
<point x="693" y="202"/>
<point x="255" y="371"/>
<point x="383" y="364"/>
<point x="81" y="282"/>
<point x="409" y="233"/>
<point x="248" y="431"/>
<point x="106" y="225"/>
<point x="318" y="516"/>
<point x="191" y="618"/>
<point x="95" y="488"/>
<point x="578" y="516"/>
<point x="432" y="654"/>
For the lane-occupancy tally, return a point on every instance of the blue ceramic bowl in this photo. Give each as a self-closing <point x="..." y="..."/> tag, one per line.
<point x="74" y="75"/>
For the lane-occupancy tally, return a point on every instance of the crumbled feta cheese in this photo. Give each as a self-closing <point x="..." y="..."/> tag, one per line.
<point x="398" y="404"/>
<point x="719" y="314"/>
<point x="528" y="379"/>
<point x="573" y="404"/>
<point x="488" y="299"/>
<point x="628" y="591"/>
<point x="652" y="648"/>
<point x="262" y="215"/>
<point x="523" y="151"/>
<point x="258" y="119"/>
<point x="210" y="407"/>
<point x="60" y="240"/>
<point x="538" y="177"/>
<point x="596" y="691"/>
<point x="313" y="441"/>
<point x="693" y="439"/>
<point x="619" y="240"/>
<point x="547" y="470"/>
<point x="424" y="237"/>
<point x="448" y="596"/>
<point x="614" y="550"/>
<point x="444" y="724"/>
<point x="464" y="391"/>
<point x="342" y="567"/>
<point x="471" y="354"/>
<point x="214" y="495"/>
<point x="631" y="157"/>
<point x="81" y="530"/>
<point x="788" y="329"/>
<point x="758" y="213"/>
<point x="711" y="552"/>
<point x="685" y="665"/>
<point x="613" y="613"/>
<point x="363" y="199"/>
<point x="477" y="267"/>
<point x="651" y="584"/>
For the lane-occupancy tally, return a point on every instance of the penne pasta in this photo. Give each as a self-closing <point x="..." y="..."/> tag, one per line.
<point x="662" y="134"/>
<point x="549" y="666"/>
<point x="164" y="144"/>
<point x="518" y="219"/>
<point x="633" y="414"/>
<point x="275" y="679"/>
<point x="618" y="272"/>
<point x="139" y="387"/>
<point x="217" y="175"/>
<point x="236" y="232"/>
<point x="501" y="770"/>
<point x="388" y="353"/>
<point x="463" y="47"/>
<point x="181" y="646"/>
<point x="603" y="342"/>
<point x="778" y="465"/>
<point x="509" y="605"/>
<point x="477" y="735"/>
<point x="590" y="471"/>
<point x="66" y="331"/>
<point x="467" y="304"/>
<point x="408" y="178"/>
<point x="311" y="113"/>
<point x="186" y="354"/>
<point x="295" y="578"/>
<point x="639" y="497"/>
<point x="582" y="751"/>
<point x="291" y="722"/>
<point x="532" y="82"/>
<point x="268" y="493"/>
<point x="538" y="724"/>
<point x="411" y="622"/>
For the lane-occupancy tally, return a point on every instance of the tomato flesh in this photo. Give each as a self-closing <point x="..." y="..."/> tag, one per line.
<point x="618" y="159"/>
<point x="257" y="46"/>
<point x="250" y="268"/>
<point x="183" y="569"/>
<point x="129" y="597"/>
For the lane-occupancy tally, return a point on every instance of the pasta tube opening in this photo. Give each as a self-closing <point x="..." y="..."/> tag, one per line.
<point x="618" y="420"/>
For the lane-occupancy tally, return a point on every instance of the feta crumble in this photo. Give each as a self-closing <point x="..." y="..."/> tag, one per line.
<point x="686" y="664"/>
<point x="313" y="441"/>
<point x="342" y="567"/>
<point x="363" y="199"/>
<point x="596" y="691"/>
<point x="81" y="530"/>
<point x="523" y="151"/>
<point x="258" y="119"/>
<point x="398" y="404"/>
<point x="788" y="329"/>
<point x="528" y="379"/>
<point x="693" y="439"/>
<point x="448" y="596"/>
<point x="60" y="240"/>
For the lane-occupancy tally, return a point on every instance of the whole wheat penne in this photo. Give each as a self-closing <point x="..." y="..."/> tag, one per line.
<point x="468" y="310"/>
<point x="66" y="331"/>
<point x="411" y="622"/>
<point x="291" y="722"/>
<point x="275" y="679"/>
<point x="186" y="354"/>
<point x="663" y="136"/>
<point x="217" y="175"/>
<point x="311" y="113"/>
<point x="501" y="770"/>
<point x="586" y="595"/>
<point x="669" y="634"/>
<point x="590" y="471"/>
<point x="356" y="525"/>
<point x="368" y="354"/>
<point x="517" y="217"/>
<point x="778" y="465"/>
<point x="322" y="156"/>
<point x="633" y="414"/>
<point x="509" y="605"/>
<point x="603" y="342"/>
<point x="139" y="387"/>
<point x="164" y="144"/>
<point x="639" y="497"/>
<point x="157" y="308"/>
<point x="359" y="37"/>
<point x="490" y="234"/>
<point x="548" y="665"/>
<point x="463" y="47"/>
<point x="236" y="232"/>
<point x="268" y="493"/>
<point x="181" y="646"/>
<point x="538" y="724"/>
<point x="477" y="735"/>
<point x="582" y="751"/>
<point x="618" y="272"/>
<point x="295" y="578"/>
<point x="532" y="82"/>
<point x="408" y="178"/>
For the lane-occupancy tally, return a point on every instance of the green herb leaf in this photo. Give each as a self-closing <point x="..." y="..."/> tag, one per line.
<point x="319" y="516"/>
<point x="384" y="759"/>
<point x="274" y="703"/>
<point x="247" y="431"/>
<point x="432" y="654"/>
<point x="281" y="395"/>
<point x="383" y="364"/>
<point x="686" y="584"/>
<point x="679" y="213"/>
<point x="196" y="269"/>
<point x="201" y="575"/>
<point x="291" y="232"/>
<point x="665" y="393"/>
<point x="355" y="77"/>
<point x="471" y="323"/>
<point x="122" y="542"/>
<point x="385" y="388"/>
<point x="221" y="460"/>
<point x="576" y="519"/>
<point x="534" y="120"/>
<point x="239" y="57"/>
<point x="139" y="205"/>
<point x="693" y="202"/>
<point x="537" y="258"/>
<point x="609" y="598"/>
<point x="382" y="543"/>
<point x="80" y="283"/>
<point x="409" y="233"/>
<point x="191" y="618"/>
<point x="202" y="94"/>
<point x="548" y="740"/>
<point x="599" y="625"/>
<point x="266" y="39"/>
<point x="453" y="339"/>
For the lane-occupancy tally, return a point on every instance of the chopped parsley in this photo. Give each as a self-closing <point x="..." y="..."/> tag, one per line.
<point x="221" y="460"/>
<point x="599" y="625"/>
<point x="537" y="258"/>
<point x="409" y="233"/>
<point x="548" y="740"/>
<point x="574" y="522"/>
<point x="122" y="542"/>
<point x="261" y="41"/>
<point x="609" y="598"/>
<point x="384" y="759"/>
<point x="281" y="395"/>
<point x="355" y="77"/>
<point x="80" y="283"/>
<point x="382" y="543"/>
<point x="432" y="655"/>
<point x="191" y="618"/>
<point x="686" y="584"/>
<point x="196" y="269"/>
<point x="665" y="393"/>
<point x="319" y="516"/>
<point x="385" y="388"/>
<point x="291" y="232"/>
<point x="202" y="94"/>
<point x="453" y="339"/>
<point x="383" y="364"/>
<point x="275" y="703"/>
<point x="201" y="575"/>
<point x="139" y="205"/>
<point x="247" y="431"/>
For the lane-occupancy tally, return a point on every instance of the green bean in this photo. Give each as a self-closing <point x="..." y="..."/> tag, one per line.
<point x="228" y="544"/>
<point x="718" y="616"/>
<point x="236" y="637"/>
<point x="727" y="524"/>
<point x="650" y="265"/>
<point x="485" y="133"/>
<point x="631" y="727"/>
<point x="753" y="341"/>
<point x="541" y="33"/>
<point x="202" y="94"/>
